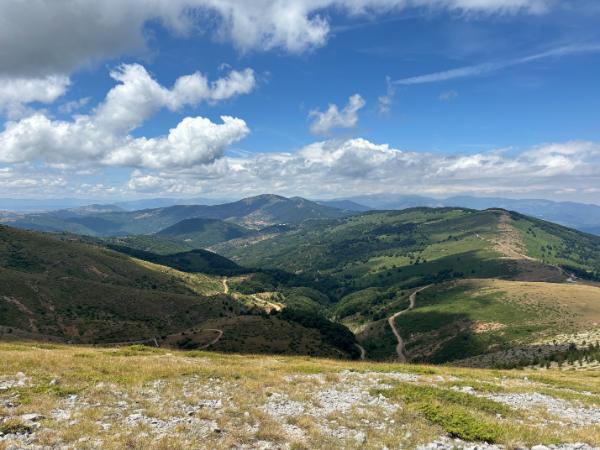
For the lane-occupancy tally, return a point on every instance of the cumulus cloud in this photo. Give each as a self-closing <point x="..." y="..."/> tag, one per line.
<point x="30" y="182"/>
<point x="139" y="96"/>
<point x="42" y="42"/>
<point x="348" y="167"/>
<point x="74" y="105"/>
<point x="15" y="93"/>
<point x="43" y="37"/>
<point x="332" y="118"/>
<point x="335" y="168"/>
<point x="103" y="136"/>
<point x="194" y="141"/>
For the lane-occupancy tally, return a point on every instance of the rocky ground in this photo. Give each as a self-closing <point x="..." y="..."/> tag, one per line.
<point x="220" y="401"/>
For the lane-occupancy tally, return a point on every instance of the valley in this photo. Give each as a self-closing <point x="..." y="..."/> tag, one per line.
<point x="343" y="327"/>
<point x="299" y="224"/>
<point x="487" y="282"/>
<point x="369" y="329"/>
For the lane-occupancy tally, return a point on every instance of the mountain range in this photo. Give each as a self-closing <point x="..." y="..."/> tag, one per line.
<point x="109" y="220"/>
<point x="295" y="276"/>
<point x="50" y="215"/>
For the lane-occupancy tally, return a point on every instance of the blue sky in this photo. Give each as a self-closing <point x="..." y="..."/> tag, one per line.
<point x="496" y="97"/>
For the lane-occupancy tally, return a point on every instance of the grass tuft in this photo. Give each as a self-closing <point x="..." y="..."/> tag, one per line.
<point x="459" y="422"/>
<point x="14" y="426"/>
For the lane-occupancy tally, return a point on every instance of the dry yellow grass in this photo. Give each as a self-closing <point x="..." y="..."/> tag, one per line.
<point x="152" y="398"/>
<point x="200" y="283"/>
<point x="581" y="300"/>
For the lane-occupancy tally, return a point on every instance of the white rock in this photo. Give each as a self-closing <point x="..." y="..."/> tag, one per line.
<point x="360" y="437"/>
<point x="31" y="417"/>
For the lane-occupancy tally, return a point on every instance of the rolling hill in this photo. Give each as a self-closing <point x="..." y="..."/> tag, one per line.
<point x="189" y="234"/>
<point x="60" y="288"/>
<point x="583" y="217"/>
<point x="254" y="212"/>
<point x="444" y="285"/>
<point x="193" y="261"/>
<point x="200" y="232"/>
<point x="370" y="265"/>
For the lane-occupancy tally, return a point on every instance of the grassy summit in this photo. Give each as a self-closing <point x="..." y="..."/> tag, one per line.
<point x="497" y="279"/>
<point x="198" y="399"/>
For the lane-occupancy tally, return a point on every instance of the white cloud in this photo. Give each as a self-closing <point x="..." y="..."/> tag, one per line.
<point x="132" y="101"/>
<point x="103" y="135"/>
<point x="235" y="83"/>
<point x="139" y="96"/>
<point x="335" y="168"/>
<point x="192" y="142"/>
<point x="357" y="166"/>
<point x="324" y="122"/>
<point x="489" y="67"/>
<point x="43" y="37"/>
<point x="15" y="93"/>
<point x="384" y="102"/>
<point x="30" y="182"/>
<point x="74" y="105"/>
<point x="141" y="182"/>
<point x="448" y="96"/>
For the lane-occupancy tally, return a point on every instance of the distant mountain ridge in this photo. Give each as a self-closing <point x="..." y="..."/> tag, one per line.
<point x="583" y="217"/>
<point x="253" y="212"/>
<point x="123" y="218"/>
<point x="347" y="205"/>
<point x="32" y="205"/>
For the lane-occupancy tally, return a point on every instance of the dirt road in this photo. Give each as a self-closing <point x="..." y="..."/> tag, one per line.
<point x="215" y="340"/>
<point x="225" y="286"/>
<point x="391" y="320"/>
<point x="363" y="352"/>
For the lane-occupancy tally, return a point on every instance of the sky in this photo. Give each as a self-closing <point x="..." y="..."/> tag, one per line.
<point x="323" y="99"/>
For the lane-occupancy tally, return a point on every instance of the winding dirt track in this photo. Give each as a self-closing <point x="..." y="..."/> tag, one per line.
<point x="363" y="352"/>
<point x="215" y="340"/>
<point x="154" y="340"/>
<point x="391" y="320"/>
<point x="225" y="286"/>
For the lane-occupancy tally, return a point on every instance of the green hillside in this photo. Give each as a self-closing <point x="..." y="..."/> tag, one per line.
<point x="160" y="245"/>
<point x="62" y="288"/>
<point x="370" y="264"/>
<point x="200" y="232"/>
<point x="577" y="252"/>
<point x="379" y="249"/>
<point x="461" y="320"/>
<point x="194" y="261"/>
<point x="447" y="285"/>
<point x="419" y="246"/>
